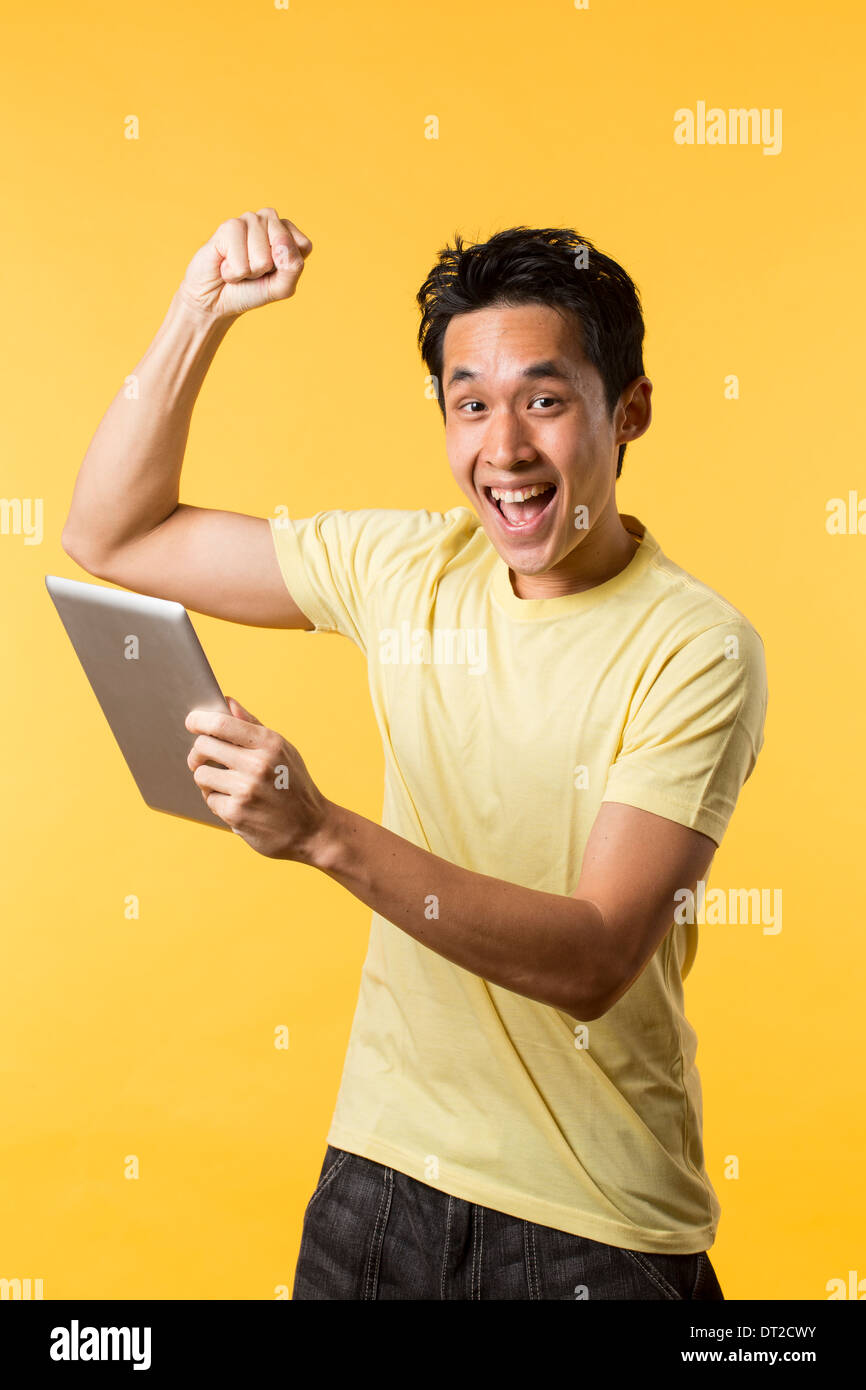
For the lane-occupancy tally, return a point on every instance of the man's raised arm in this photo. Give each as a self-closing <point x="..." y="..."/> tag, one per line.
<point x="125" y="522"/>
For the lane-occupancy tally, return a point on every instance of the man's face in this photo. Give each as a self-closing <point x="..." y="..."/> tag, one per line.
<point x="534" y="412"/>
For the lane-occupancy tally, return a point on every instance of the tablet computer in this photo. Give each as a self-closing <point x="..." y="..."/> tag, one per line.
<point x="147" y="669"/>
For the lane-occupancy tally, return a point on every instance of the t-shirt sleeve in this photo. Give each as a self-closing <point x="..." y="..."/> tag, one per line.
<point x="695" y="736"/>
<point x="332" y="561"/>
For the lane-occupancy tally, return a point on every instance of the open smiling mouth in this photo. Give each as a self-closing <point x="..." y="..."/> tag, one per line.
<point x="516" y="511"/>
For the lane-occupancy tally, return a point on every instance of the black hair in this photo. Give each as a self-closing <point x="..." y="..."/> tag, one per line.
<point x="530" y="265"/>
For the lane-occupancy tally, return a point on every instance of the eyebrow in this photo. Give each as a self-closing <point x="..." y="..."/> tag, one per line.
<point x="547" y="368"/>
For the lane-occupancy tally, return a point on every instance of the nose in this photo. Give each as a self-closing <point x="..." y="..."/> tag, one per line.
<point x="505" y="444"/>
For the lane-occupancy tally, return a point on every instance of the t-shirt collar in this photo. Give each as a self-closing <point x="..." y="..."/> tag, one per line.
<point x="531" y="609"/>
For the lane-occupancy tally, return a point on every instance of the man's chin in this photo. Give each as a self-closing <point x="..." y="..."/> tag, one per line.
<point x="528" y="560"/>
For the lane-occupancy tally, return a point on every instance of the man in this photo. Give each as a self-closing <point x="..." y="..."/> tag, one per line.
<point x="567" y="718"/>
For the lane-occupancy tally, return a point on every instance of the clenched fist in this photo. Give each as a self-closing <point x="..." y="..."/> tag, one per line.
<point x="249" y="261"/>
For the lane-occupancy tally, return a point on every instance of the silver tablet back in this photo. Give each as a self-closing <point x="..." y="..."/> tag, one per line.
<point x="147" y="669"/>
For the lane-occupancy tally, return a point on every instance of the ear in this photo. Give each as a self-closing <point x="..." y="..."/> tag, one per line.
<point x="239" y="712"/>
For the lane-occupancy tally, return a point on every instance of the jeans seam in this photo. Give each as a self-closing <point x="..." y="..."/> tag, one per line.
<point x="447" y="1245"/>
<point x="374" y="1255"/>
<point x="652" y="1273"/>
<point x="531" y="1259"/>
<point x="477" y="1247"/>
<point x="703" y="1264"/>
<point x="329" y="1175"/>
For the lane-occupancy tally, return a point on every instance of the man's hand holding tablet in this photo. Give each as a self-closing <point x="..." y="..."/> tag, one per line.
<point x="263" y="790"/>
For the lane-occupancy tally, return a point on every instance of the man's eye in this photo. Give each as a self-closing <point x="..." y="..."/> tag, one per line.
<point x="552" y="399"/>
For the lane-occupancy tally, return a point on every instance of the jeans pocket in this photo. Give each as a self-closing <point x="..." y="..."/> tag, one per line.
<point x="333" y="1162"/>
<point x="707" y="1284"/>
<point x="672" y="1276"/>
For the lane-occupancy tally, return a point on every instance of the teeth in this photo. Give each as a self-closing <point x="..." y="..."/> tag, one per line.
<point x="521" y="495"/>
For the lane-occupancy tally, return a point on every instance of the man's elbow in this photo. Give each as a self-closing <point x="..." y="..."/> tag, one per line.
<point x="603" y="998"/>
<point x="592" y="1001"/>
<point x="78" y="552"/>
<point x="71" y="545"/>
<point x="598" y="985"/>
<point x="588" y="1010"/>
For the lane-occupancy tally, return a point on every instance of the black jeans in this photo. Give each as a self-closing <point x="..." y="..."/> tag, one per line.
<point x="373" y="1232"/>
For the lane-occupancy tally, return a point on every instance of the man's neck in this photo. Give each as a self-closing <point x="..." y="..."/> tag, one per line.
<point x="601" y="555"/>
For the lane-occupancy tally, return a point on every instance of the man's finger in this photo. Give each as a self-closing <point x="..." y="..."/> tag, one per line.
<point x="225" y="726"/>
<point x="238" y="709"/>
<point x="229" y="755"/>
<point x="214" y="779"/>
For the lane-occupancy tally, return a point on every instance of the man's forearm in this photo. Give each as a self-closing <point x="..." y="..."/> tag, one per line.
<point x="542" y="945"/>
<point x="129" y="480"/>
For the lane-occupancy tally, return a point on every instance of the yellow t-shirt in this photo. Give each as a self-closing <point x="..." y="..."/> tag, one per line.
<point x="505" y="723"/>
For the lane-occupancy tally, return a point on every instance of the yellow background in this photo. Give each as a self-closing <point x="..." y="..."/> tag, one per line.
<point x="155" y="1037"/>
